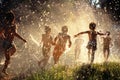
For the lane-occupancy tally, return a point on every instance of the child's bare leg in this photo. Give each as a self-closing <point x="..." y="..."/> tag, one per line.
<point x="107" y="54"/>
<point x="104" y="52"/>
<point x="8" y="54"/>
<point x="45" y="57"/>
<point x="92" y="56"/>
<point x="77" y="52"/>
<point x="12" y="50"/>
<point x="56" y="55"/>
<point x="40" y="62"/>
<point x="55" y="58"/>
<point x="89" y="55"/>
<point x="44" y="61"/>
<point x="7" y="62"/>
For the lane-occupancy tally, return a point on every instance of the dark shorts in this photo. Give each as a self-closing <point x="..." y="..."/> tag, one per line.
<point x="7" y="45"/>
<point x="92" y="45"/>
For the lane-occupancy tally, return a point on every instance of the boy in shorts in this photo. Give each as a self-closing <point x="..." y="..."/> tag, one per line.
<point x="92" y="43"/>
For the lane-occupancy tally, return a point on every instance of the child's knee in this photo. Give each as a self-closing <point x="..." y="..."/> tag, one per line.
<point x="7" y="61"/>
<point x="13" y="50"/>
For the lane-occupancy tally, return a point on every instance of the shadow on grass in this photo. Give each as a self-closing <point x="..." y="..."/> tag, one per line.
<point x="98" y="72"/>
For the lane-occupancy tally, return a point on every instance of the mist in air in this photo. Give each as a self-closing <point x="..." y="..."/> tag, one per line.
<point x="75" y="14"/>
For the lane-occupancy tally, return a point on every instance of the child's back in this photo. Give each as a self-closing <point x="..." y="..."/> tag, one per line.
<point x="106" y="41"/>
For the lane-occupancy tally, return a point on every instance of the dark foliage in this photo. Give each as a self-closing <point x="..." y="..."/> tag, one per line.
<point x="113" y="7"/>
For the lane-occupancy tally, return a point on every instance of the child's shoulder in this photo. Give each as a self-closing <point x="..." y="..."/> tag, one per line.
<point x="108" y="37"/>
<point x="97" y="32"/>
<point x="88" y="31"/>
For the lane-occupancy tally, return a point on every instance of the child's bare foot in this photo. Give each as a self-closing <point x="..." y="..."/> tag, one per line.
<point x="5" y="72"/>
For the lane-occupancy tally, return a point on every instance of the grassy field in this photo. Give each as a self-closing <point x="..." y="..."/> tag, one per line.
<point x="107" y="71"/>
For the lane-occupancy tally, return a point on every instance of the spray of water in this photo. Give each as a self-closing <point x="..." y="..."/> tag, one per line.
<point x="75" y="14"/>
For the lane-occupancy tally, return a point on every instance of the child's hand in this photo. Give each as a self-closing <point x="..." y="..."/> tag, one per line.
<point x="111" y="45"/>
<point x="24" y="40"/>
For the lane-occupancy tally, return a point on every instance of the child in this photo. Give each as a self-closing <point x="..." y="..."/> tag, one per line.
<point x="92" y="43"/>
<point x="106" y="45"/>
<point x="78" y="43"/>
<point x="60" y="43"/>
<point x="47" y="42"/>
<point x="10" y="32"/>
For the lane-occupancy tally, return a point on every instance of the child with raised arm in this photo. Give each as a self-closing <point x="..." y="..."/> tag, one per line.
<point x="92" y="43"/>
<point x="10" y="32"/>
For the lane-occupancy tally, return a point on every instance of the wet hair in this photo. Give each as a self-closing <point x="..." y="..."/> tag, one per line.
<point x="47" y="28"/>
<point x="64" y="29"/>
<point x="92" y="26"/>
<point x="10" y="17"/>
<point x="108" y="33"/>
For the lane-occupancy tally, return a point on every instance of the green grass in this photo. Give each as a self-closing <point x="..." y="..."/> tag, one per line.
<point x="109" y="71"/>
<point x="55" y="73"/>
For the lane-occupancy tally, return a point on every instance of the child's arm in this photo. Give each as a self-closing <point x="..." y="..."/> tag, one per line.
<point x="52" y="42"/>
<point x="111" y="42"/>
<point x="81" y="33"/>
<point x="100" y="33"/>
<point x="14" y="30"/>
<point x="55" y="40"/>
<point x="41" y="42"/>
<point x="70" y="43"/>
<point x="17" y="35"/>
